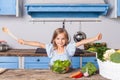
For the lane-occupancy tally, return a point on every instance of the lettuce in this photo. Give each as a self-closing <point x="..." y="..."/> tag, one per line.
<point x="60" y="66"/>
<point x="91" y="68"/>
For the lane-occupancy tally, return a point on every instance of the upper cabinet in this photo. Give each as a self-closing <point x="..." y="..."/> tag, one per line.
<point x="118" y="7"/>
<point x="114" y="10"/>
<point x="66" y="9"/>
<point x="9" y="7"/>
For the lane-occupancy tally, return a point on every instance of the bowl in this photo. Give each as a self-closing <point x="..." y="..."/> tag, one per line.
<point x="59" y="70"/>
<point x="61" y="66"/>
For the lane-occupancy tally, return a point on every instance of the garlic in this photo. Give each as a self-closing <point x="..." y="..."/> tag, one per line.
<point x="86" y="74"/>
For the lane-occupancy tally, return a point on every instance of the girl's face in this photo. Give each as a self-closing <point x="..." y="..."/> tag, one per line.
<point x="60" y="40"/>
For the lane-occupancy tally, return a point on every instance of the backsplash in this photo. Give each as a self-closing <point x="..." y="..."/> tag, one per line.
<point x="42" y="31"/>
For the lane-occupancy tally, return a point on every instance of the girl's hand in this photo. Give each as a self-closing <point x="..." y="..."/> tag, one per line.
<point x="21" y="41"/>
<point x="88" y="40"/>
<point x="99" y="36"/>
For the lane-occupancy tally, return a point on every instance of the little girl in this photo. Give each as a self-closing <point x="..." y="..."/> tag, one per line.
<point x="60" y="48"/>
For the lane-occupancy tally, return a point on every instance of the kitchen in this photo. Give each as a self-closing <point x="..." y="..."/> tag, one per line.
<point x="25" y="27"/>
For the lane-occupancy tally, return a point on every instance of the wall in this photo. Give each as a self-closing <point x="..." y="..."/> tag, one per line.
<point x="42" y="31"/>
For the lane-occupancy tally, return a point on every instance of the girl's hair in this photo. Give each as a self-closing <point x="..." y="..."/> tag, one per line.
<point x="55" y="34"/>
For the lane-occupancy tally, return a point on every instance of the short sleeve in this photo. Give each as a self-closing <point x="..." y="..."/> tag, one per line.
<point x="71" y="49"/>
<point x="49" y="50"/>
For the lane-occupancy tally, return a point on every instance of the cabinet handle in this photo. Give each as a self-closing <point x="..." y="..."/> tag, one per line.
<point x="95" y="59"/>
<point x="38" y="60"/>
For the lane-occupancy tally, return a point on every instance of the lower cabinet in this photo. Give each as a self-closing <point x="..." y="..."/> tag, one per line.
<point x="76" y="62"/>
<point x="9" y="62"/>
<point x="43" y="62"/>
<point x="89" y="59"/>
<point x="36" y="62"/>
<point x="13" y="62"/>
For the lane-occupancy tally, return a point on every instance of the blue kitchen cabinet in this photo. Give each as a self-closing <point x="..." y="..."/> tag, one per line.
<point x="114" y="8"/>
<point x="118" y="8"/>
<point x="36" y="62"/>
<point x="76" y="62"/>
<point x="9" y="7"/>
<point x="43" y="62"/>
<point x="9" y="62"/>
<point x="89" y="59"/>
<point x="66" y="10"/>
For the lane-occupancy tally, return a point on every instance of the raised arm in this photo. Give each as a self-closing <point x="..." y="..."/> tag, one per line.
<point x="88" y="40"/>
<point x="31" y="43"/>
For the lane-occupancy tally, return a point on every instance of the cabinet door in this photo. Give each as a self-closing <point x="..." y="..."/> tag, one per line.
<point x="36" y="62"/>
<point x="89" y="59"/>
<point x="7" y="7"/>
<point x="112" y="12"/>
<point x="75" y="62"/>
<point x="43" y="62"/>
<point x="9" y="62"/>
<point x="118" y="7"/>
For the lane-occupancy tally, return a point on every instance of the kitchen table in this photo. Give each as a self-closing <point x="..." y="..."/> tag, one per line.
<point x="43" y="74"/>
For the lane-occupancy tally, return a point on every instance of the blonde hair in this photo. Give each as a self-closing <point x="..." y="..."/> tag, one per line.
<point x="55" y="34"/>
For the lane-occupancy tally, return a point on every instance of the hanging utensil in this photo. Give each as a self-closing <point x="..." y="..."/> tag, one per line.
<point x="63" y="26"/>
<point x="79" y="35"/>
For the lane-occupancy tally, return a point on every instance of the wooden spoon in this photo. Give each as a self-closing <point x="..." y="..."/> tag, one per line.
<point x="4" y="29"/>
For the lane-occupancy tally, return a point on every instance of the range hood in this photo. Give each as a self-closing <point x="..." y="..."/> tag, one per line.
<point x="66" y="10"/>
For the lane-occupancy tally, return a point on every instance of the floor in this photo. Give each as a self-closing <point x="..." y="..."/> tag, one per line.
<point x="37" y="74"/>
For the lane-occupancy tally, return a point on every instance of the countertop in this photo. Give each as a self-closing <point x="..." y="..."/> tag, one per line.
<point x="43" y="74"/>
<point x="33" y="52"/>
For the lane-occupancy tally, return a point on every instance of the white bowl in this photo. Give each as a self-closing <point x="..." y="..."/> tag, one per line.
<point x="109" y="69"/>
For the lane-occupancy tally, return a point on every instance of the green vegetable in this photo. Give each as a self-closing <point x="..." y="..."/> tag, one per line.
<point x="100" y="48"/>
<point x="92" y="49"/>
<point x="91" y="68"/>
<point x="97" y="44"/>
<point x="60" y="66"/>
<point x="115" y="57"/>
<point x="100" y="52"/>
